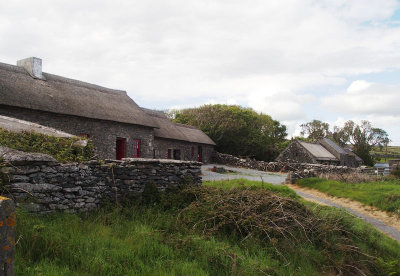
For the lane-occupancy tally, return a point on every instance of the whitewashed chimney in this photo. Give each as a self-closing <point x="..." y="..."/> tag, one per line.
<point x="33" y="65"/>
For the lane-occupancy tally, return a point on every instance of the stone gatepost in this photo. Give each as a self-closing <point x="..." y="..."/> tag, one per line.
<point x="7" y="236"/>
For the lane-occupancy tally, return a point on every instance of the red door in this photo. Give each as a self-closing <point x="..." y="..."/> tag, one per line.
<point x="120" y="148"/>
<point x="136" y="148"/>
<point x="169" y="153"/>
<point x="200" y="154"/>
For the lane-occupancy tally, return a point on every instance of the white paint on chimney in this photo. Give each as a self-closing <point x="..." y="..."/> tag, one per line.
<point x="33" y="65"/>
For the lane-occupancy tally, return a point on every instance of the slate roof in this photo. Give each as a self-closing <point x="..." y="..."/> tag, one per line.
<point x="335" y="146"/>
<point x="318" y="151"/>
<point x="16" y="125"/>
<point x="175" y="131"/>
<point x="67" y="96"/>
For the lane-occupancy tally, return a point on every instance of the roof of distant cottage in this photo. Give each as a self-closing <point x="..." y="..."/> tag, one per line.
<point x="318" y="151"/>
<point x="175" y="131"/>
<point x="67" y="96"/>
<point x="16" y="125"/>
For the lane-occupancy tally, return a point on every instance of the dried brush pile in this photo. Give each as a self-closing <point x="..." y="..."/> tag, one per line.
<point x="278" y="222"/>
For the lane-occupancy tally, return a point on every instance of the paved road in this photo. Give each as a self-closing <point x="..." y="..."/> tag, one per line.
<point x="273" y="178"/>
<point x="278" y="179"/>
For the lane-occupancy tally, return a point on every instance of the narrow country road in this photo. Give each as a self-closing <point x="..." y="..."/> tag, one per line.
<point x="278" y="179"/>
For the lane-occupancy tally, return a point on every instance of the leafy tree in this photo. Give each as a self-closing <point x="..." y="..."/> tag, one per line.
<point x="236" y="130"/>
<point x="362" y="136"/>
<point x="315" y="130"/>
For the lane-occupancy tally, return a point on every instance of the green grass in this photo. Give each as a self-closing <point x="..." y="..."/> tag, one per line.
<point x="242" y="183"/>
<point x="155" y="240"/>
<point x="384" y="195"/>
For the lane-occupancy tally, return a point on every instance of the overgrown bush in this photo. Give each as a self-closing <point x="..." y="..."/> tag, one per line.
<point x="396" y="172"/>
<point x="63" y="149"/>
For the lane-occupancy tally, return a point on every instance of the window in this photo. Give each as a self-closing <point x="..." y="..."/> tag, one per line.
<point x="136" y="148"/>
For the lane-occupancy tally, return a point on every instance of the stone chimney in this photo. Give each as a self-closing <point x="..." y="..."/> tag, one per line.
<point x="33" y="65"/>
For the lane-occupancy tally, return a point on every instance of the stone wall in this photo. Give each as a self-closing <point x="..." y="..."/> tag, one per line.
<point x="299" y="169"/>
<point x="295" y="153"/>
<point x="103" y="133"/>
<point x="41" y="184"/>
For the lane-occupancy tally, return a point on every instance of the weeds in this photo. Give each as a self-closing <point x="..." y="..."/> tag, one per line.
<point x="205" y="231"/>
<point x="63" y="149"/>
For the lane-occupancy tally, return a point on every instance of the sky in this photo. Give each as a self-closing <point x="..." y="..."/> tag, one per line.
<point x="296" y="60"/>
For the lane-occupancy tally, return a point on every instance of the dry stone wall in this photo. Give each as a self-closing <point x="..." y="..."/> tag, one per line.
<point x="41" y="184"/>
<point x="298" y="170"/>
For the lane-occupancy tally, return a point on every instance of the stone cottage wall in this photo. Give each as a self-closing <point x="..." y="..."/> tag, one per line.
<point x="161" y="147"/>
<point x="103" y="133"/>
<point x="295" y="153"/>
<point x="41" y="184"/>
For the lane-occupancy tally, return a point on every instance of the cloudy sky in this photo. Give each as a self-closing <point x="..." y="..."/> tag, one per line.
<point x="295" y="60"/>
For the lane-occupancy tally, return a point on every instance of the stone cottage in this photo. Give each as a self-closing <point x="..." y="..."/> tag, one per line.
<point x="117" y="126"/>
<point x="324" y="152"/>
<point x="180" y="142"/>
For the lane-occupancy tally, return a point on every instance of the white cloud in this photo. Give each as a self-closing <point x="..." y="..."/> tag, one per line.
<point x="365" y="98"/>
<point x="263" y="54"/>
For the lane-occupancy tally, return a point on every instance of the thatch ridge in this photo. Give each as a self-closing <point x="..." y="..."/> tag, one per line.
<point x="67" y="96"/>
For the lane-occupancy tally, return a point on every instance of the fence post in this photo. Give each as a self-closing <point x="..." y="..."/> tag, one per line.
<point x="7" y="236"/>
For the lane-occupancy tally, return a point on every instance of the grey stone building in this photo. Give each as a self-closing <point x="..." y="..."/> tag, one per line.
<point x="180" y="142"/>
<point x="324" y="152"/>
<point x="117" y="126"/>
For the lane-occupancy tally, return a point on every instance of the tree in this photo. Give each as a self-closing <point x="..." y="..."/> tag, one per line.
<point x="315" y="130"/>
<point x="362" y="136"/>
<point x="236" y="130"/>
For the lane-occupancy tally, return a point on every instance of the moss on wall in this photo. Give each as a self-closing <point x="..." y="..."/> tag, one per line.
<point x="63" y="149"/>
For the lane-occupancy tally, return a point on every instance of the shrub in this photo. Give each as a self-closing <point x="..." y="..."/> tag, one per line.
<point x="396" y="172"/>
<point x="63" y="149"/>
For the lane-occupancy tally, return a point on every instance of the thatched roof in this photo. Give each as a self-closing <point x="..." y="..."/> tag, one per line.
<point x="174" y="131"/>
<point x="66" y="96"/>
<point x="16" y="125"/>
<point x="318" y="151"/>
<point x="166" y="128"/>
<point x="195" y="135"/>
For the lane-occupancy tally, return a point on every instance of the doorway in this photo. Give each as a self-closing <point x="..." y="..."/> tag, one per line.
<point x="120" y="148"/>
<point x="200" y="154"/>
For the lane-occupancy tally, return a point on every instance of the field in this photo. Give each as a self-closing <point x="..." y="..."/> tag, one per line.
<point x="224" y="228"/>
<point x="393" y="152"/>
<point x="385" y="195"/>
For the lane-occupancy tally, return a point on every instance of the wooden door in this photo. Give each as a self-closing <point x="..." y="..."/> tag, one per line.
<point x="200" y="154"/>
<point x="120" y="148"/>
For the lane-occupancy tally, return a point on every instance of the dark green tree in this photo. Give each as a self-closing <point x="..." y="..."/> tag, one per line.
<point x="236" y="130"/>
<point x="315" y="130"/>
<point x="362" y="136"/>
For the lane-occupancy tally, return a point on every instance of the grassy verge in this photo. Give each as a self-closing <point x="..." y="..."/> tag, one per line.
<point x="206" y="231"/>
<point x="244" y="183"/>
<point x="384" y="195"/>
